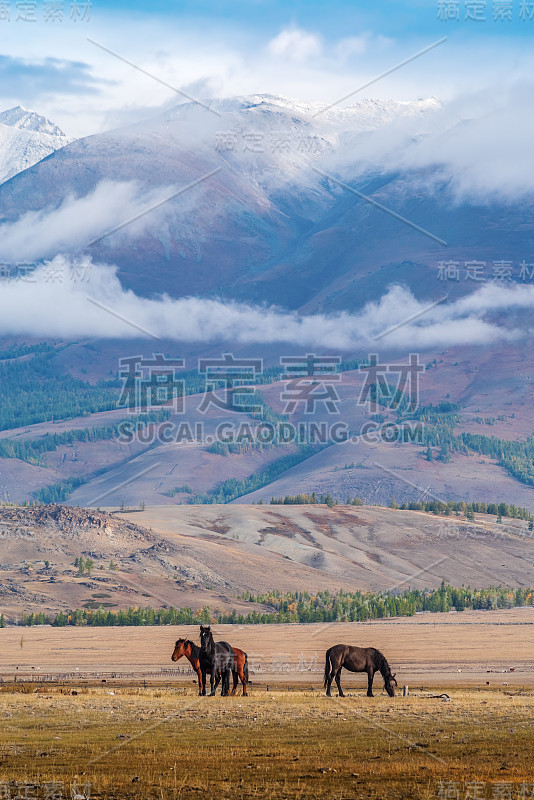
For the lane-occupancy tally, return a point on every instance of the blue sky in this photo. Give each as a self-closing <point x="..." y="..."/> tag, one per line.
<point x="306" y="49"/>
<point x="393" y="18"/>
<point x="389" y="17"/>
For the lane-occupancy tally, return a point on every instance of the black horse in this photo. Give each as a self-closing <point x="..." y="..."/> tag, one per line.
<point x="216" y="658"/>
<point x="357" y="659"/>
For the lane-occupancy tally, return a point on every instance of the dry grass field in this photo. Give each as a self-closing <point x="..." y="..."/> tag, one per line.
<point x="163" y="743"/>
<point x="146" y="734"/>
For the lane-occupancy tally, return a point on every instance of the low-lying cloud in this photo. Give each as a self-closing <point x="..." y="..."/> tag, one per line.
<point x="74" y="224"/>
<point x="72" y="299"/>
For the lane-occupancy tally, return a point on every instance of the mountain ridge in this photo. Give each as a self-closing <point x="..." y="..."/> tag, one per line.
<point x="25" y="139"/>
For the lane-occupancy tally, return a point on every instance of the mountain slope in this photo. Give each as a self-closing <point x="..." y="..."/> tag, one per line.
<point x="196" y="556"/>
<point x="266" y="217"/>
<point x="247" y="196"/>
<point x="25" y="139"/>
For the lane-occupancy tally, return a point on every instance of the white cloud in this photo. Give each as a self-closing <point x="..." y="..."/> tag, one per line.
<point x="72" y="307"/>
<point x="489" y="155"/>
<point x="367" y="42"/>
<point x="353" y="45"/>
<point x="479" y="144"/>
<point x="295" y="45"/>
<point x="78" y="220"/>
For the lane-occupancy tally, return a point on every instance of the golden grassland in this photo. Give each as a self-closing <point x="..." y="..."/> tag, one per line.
<point x="286" y="740"/>
<point x="130" y="742"/>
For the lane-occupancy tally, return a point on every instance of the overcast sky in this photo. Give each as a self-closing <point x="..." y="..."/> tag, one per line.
<point x="309" y="50"/>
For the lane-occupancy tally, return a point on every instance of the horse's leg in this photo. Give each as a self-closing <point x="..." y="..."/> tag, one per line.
<point x="235" y="676"/>
<point x="235" y="673"/>
<point x="203" y="673"/>
<point x="338" y="681"/>
<point x="330" y="670"/>
<point x="243" y="679"/>
<point x="370" y="676"/>
<point x="225" y="674"/>
<point x="329" y="680"/>
<point x="213" y="679"/>
<point x="200" y="681"/>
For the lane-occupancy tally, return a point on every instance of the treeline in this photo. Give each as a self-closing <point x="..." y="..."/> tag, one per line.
<point x="130" y="617"/>
<point x="302" y="607"/>
<point x="312" y="499"/>
<point x="39" y="390"/>
<point x="19" y="350"/>
<point x="457" y="507"/>
<point x="516" y="457"/>
<point x="186" y="489"/>
<point x="432" y="413"/>
<point x="439" y="431"/>
<point x="358" y="606"/>
<point x="469" y="509"/>
<point x="234" y="488"/>
<point x="247" y="443"/>
<point x="32" y="450"/>
<point x="58" y="492"/>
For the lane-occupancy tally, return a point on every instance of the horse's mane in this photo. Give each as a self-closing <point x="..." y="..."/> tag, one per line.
<point x="382" y="664"/>
<point x="188" y="641"/>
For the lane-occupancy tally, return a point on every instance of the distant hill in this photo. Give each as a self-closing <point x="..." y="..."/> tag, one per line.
<point x="198" y="556"/>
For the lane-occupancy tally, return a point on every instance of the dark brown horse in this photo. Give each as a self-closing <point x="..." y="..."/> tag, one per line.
<point x="187" y="648"/>
<point x="357" y="659"/>
<point x="216" y="659"/>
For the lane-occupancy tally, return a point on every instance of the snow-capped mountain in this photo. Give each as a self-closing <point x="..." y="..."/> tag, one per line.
<point x="25" y="139"/>
<point x="265" y="199"/>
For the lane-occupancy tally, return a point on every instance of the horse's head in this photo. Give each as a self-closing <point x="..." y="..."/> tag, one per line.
<point x="390" y="684"/>
<point x="205" y="637"/>
<point x="179" y="649"/>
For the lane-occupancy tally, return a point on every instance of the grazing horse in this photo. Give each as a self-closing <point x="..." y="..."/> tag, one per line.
<point x="187" y="648"/>
<point x="216" y="658"/>
<point x="357" y="659"/>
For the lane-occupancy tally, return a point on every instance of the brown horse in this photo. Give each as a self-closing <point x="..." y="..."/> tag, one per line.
<point x="187" y="648"/>
<point x="357" y="659"/>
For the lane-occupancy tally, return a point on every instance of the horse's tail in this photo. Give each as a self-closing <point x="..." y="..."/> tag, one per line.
<point x="327" y="668"/>
<point x="245" y="668"/>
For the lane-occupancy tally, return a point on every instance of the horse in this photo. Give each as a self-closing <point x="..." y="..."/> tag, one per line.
<point x="217" y="658"/>
<point x="187" y="648"/>
<point x="357" y="659"/>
